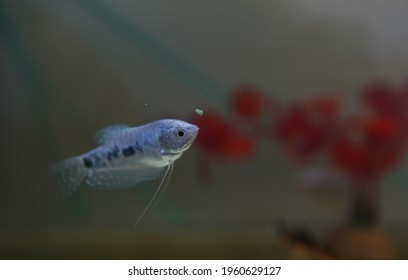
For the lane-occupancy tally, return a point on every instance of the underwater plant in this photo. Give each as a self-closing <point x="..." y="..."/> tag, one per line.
<point x="356" y="148"/>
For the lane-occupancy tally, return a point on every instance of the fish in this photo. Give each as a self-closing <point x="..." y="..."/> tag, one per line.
<point x="127" y="156"/>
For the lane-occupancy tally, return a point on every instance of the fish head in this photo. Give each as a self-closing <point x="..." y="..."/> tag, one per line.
<point x="176" y="137"/>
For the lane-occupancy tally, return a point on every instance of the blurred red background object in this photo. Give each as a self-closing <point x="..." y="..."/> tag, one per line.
<point x="220" y="139"/>
<point x="247" y="102"/>
<point x="306" y="128"/>
<point x="381" y="98"/>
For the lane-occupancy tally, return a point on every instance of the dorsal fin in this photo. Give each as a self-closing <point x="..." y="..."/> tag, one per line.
<point x="107" y="133"/>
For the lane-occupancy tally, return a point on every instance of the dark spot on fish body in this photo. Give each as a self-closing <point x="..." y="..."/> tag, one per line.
<point x="87" y="162"/>
<point x="138" y="147"/>
<point x="113" y="154"/>
<point x="99" y="162"/>
<point x="129" y="151"/>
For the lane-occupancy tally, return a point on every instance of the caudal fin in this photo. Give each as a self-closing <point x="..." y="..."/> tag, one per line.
<point x="70" y="173"/>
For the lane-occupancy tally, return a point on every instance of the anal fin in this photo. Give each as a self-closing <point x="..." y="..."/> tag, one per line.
<point x="105" y="179"/>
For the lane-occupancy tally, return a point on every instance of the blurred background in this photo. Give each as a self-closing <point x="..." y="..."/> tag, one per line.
<point x="301" y="151"/>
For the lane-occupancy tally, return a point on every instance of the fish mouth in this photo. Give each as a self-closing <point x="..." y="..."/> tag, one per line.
<point x="195" y="130"/>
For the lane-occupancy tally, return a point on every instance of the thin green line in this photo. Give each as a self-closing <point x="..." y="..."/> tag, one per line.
<point x="35" y="90"/>
<point x="134" y="35"/>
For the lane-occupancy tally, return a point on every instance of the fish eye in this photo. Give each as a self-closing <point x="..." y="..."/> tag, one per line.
<point x="180" y="133"/>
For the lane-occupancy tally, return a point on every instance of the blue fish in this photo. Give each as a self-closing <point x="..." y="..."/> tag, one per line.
<point x="127" y="156"/>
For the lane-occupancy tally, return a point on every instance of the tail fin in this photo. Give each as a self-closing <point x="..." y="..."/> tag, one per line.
<point x="70" y="173"/>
